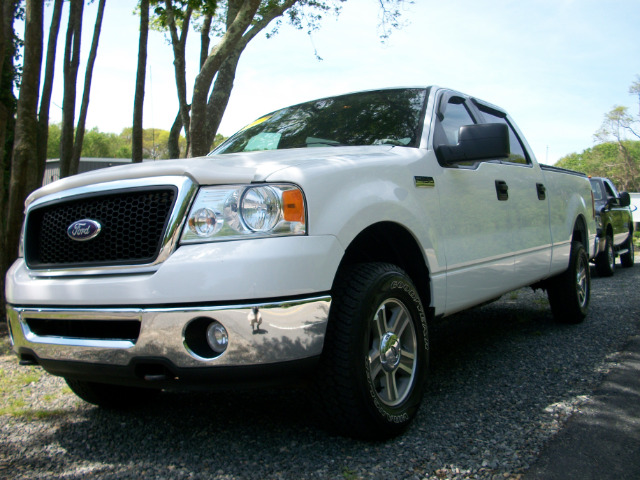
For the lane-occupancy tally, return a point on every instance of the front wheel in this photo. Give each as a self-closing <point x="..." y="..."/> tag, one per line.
<point x="375" y="358"/>
<point x="569" y="292"/>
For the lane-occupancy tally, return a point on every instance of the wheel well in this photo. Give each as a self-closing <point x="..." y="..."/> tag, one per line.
<point x="608" y="230"/>
<point x="580" y="233"/>
<point x="390" y="242"/>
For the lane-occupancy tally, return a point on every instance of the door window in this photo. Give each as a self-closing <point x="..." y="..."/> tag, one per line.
<point x="611" y="190"/>
<point x="517" y="154"/>
<point x="456" y="115"/>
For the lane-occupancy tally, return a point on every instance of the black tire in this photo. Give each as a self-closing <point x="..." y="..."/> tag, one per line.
<point x="375" y="357"/>
<point x="606" y="261"/>
<point x="111" y="396"/>
<point x="627" y="259"/>
<point x="569" y="293"/>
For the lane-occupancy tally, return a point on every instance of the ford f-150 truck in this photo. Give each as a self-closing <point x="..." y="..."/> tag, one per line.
<point x="322" y="239"/>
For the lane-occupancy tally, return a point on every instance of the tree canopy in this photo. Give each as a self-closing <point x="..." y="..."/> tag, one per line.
<point x="603" y="160"/>
<point x="617" y="156"/>
<point x="234" y="23"/>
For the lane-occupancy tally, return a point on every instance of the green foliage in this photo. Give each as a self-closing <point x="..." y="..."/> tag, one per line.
<point x="617" y="157"/>
<point x="607" y="160"/>
<point x="218" y="140"/>
<point x="159" y="20"/>
<point x="53" y="142"/>
<point x="99" y="144"/>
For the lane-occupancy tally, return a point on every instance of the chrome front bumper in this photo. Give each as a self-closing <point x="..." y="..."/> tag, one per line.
<point x="289" y="331"/>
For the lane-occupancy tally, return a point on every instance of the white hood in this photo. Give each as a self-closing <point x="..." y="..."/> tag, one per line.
<point x="213" y="170"/>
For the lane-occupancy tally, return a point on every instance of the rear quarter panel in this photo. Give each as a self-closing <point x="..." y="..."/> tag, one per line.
<point x="569" y="200"/>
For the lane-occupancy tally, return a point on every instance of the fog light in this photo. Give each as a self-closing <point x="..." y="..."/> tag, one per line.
<point x="217" y="337"/>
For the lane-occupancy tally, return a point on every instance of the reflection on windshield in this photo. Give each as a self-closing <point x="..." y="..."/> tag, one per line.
<point x="380" y="117"/>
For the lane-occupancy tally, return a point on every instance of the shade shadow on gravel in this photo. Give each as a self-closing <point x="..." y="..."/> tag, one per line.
<point x="504" y="378"/>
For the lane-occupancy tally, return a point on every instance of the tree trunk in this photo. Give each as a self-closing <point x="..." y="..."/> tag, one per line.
<point x="204" y="39"/>
<point x="173" y="144"/>
<point x="25" y="149"/>
<point x="84" y="106"/>
<point x="70" y="69"/>
<point x="7" y="122"/>
<point x="3" y="38"/>
<point x="223" y="62"/>
<point x="219" y="53"/>
<point x="7" y="100"/>
<point x="138" y="103"/>
<point x="45" y="100"/>
<point x="179" y="62"/>
<point x="220" y="95"/>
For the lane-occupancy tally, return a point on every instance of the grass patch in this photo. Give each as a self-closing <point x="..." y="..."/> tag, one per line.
<point x="349" y="474"/>
<point x="15" y="390"/>
<point x="17" y="397"/>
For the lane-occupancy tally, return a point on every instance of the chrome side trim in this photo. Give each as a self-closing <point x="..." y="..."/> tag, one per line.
<point x="187" y="189"/>
<point x="290" y="330"/>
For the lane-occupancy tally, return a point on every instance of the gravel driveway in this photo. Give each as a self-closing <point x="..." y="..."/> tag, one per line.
<point x="504" y="379"/>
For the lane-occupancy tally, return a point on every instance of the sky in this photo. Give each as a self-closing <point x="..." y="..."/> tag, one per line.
<point x="557" y="66"/>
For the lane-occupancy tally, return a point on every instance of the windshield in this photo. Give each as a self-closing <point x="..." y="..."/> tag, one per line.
<point x="382" y="117"/>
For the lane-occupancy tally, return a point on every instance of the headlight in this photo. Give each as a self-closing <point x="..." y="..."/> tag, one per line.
<point x="245" y="211"/>
<point x="260" y="208"/>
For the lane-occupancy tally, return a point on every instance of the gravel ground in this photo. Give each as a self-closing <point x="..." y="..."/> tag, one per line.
<point x="504" y="379"/>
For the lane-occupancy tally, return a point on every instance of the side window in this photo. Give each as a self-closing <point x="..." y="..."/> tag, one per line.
<point x="598" y="193"/>
<point x="611" y="190"/>
<point x="456" y="115"/>
<point x="517" y="155"/>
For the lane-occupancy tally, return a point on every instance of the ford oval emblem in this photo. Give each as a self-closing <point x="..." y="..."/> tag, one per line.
<point x="84" y="230"/>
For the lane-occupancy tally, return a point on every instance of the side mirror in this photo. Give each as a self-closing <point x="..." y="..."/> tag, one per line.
<point x="625" y="199"/>
<point x="486" y="141"/>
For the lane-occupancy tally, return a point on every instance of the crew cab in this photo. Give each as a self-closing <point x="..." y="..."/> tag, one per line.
<point x="322" y="239"/>
<point x="614" y="221"/>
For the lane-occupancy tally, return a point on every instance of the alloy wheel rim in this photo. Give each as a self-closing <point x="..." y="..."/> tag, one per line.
<point x="582" y="285"/>
<point x="610" y="258"/>
<point x="393" y="352"/>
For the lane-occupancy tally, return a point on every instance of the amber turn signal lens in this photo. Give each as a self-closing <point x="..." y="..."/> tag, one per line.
<point x="293" y="206"/>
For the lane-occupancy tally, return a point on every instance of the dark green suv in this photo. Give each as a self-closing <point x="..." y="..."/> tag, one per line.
<point x="615" y="226"/>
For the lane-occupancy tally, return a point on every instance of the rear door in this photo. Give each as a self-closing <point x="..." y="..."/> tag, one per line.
<point x="528" y="205"/>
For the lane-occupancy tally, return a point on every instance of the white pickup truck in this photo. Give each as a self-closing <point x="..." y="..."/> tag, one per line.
<point x="321" y="240"/>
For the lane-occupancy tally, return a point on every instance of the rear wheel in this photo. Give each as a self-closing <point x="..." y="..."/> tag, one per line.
<point x="375" y="358"/>
<point x="606" y="261"/>
<point x="627" y="259"/>
<point x="111" y="396"/>
<point x="569" y="292"/>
